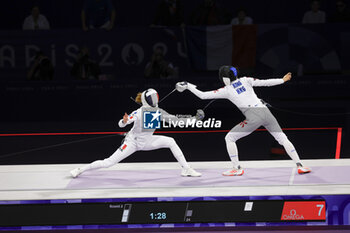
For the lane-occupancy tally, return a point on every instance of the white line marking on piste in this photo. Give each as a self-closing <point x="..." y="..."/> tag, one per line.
<point x="291" y="178"/>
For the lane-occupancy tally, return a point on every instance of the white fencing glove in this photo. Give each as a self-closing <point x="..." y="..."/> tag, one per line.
<point x="181" y="86"/>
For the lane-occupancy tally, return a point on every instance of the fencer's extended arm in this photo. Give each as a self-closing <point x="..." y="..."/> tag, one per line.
<point x="265" y="82"/>
<point x="131" y="118"/>
<point x="216" y="94"/>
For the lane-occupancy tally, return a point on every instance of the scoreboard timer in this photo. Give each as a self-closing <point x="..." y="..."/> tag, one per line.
<point x="105" y="213"/>
<point x="228" y="211"/>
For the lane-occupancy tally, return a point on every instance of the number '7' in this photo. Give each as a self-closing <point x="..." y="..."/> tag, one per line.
<point x="320" y="210"/>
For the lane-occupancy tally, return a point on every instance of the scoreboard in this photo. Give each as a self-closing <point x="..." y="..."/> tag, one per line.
<point x="161" y="212"/>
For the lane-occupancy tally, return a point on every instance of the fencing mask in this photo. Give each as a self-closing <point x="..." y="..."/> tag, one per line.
<point x="150" y="97"/>
<point x="227" y="74"/>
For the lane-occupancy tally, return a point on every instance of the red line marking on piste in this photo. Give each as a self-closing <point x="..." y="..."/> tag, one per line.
<point x="57" y="134"/>
<point x="182" y="131"/>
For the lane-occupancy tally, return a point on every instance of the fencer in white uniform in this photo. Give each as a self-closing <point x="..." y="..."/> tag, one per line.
<point x="240" y="92"/>
<point x="141" y="139"/>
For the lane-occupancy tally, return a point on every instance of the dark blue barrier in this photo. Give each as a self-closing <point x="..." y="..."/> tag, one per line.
<point x="121" y="54"/>
<point x="124" y="52"/>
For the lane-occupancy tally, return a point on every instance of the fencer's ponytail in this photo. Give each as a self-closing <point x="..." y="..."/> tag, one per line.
<point x="138" y="98"/>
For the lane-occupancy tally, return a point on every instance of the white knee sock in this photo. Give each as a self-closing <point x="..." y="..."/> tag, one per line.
<point x="233" y="153"/>
<point x="96" y="165"/>
<point x="115" y="158"/>
<point x="175" y="149"/>
<point x="288" y="146"/>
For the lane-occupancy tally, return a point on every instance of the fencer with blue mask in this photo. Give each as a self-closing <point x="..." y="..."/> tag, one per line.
<point x="240" y="91"/>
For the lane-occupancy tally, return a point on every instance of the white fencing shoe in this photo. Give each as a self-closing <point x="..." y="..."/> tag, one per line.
<point x="76" y="172"/>
<point x="190" y="172"/>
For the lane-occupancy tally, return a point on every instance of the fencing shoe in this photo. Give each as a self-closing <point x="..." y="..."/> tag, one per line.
<point x="190" y="172"/>
<point x="303" y="170"/>
<point x="234" y="172"/>
<point x="76" y="172"/>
